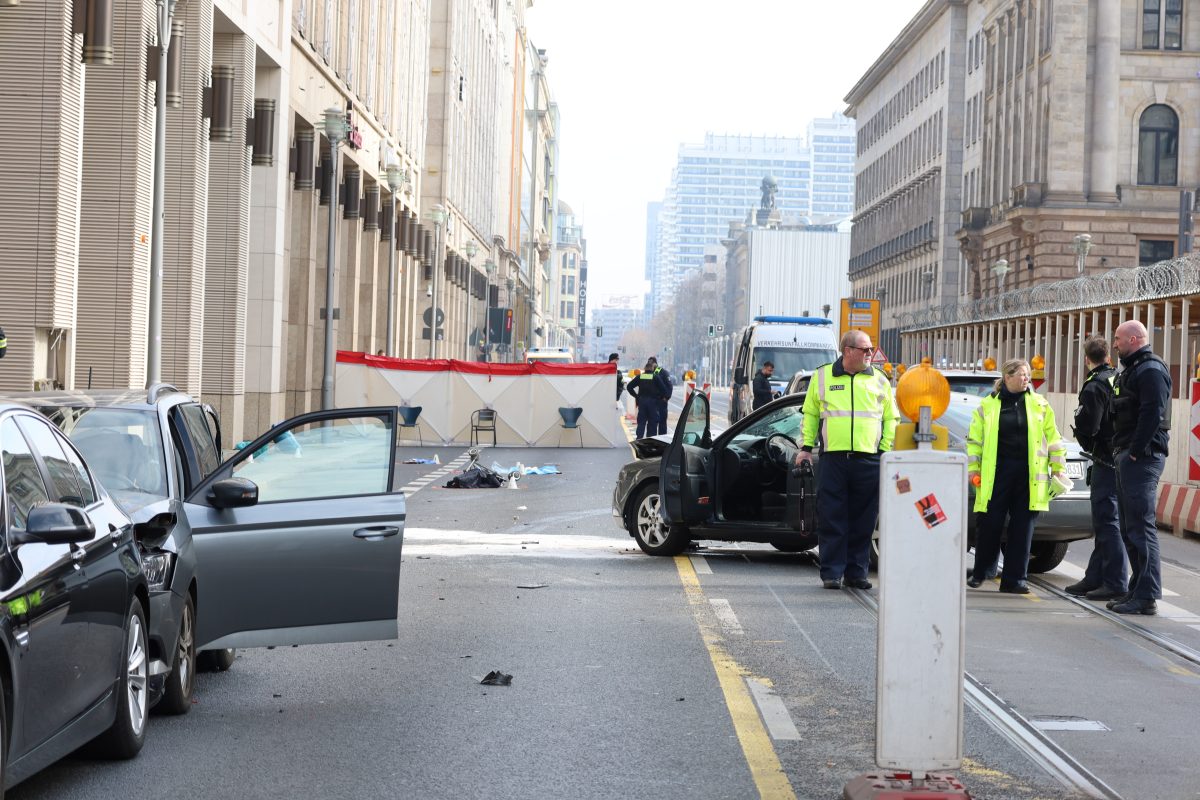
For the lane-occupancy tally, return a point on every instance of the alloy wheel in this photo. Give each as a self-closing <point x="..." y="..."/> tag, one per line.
<point x="185" y="655"/>
<point x="137" y="669"/>
<point x="651" y="528"/>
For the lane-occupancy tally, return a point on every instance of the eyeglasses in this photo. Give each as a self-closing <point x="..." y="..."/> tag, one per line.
<point x="866" y="351"/>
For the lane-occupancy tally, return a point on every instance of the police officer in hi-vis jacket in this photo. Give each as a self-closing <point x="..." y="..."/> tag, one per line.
<point x="849" y="409"/>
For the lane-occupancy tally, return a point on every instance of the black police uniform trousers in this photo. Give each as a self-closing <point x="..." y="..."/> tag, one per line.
<point x="847" y="509"/>
<point x="1010" y="499"/>
<point x="662" y="416"/>
<point x="1106" y="567"/>
<point x="647" y="416"/>
<point x="1137" y="484"/>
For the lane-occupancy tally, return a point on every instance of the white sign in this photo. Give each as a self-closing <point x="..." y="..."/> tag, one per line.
<point x="921" y="652"/>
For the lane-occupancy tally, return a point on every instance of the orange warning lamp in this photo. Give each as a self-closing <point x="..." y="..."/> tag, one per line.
<point x="922" y="386"/>
<point x="901" y="369"/>
<point x="989" y="363"/>
<point x="927" y="361"/>
<point x="1037" y="362"/>
<point x="887" y="368"/>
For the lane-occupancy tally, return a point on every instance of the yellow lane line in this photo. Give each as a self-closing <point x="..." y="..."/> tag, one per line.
<point x="760" y="754"/>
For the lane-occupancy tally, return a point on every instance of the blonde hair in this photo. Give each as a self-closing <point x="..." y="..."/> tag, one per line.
<point x="1010" y="368"/>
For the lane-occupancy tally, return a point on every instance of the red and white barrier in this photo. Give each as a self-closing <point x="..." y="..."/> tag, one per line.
<point x="1194" y="435"/>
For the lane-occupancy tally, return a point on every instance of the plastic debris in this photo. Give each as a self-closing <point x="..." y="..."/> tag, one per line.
<point x="418" y="461"/>
<point x="521" y="469"/>
<point x="496" y="678"/>
<point x="532" y="585"/>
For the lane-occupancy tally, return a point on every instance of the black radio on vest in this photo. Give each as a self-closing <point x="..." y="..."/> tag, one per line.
<point x="3" y="343"/>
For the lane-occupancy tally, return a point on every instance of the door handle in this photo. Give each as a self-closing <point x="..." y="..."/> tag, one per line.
<point x="376" y="533"/>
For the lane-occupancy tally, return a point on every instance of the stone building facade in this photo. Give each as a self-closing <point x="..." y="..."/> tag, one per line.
<point x="1058" y="119"/>
<point x="248" y="190"/>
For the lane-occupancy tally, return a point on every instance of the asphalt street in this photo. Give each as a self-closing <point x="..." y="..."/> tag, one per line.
<point x="724" y="673"/>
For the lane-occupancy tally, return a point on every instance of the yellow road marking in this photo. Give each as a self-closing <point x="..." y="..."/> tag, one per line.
<point x="760" y="754"/>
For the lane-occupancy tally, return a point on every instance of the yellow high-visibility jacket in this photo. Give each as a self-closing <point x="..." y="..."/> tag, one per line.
<point x="1047" y="453"/>
<point x="849" y="412"/>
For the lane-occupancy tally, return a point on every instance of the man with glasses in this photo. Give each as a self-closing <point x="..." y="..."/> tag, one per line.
<point x="1141" y="418"/>
<point x="849" y="408"/>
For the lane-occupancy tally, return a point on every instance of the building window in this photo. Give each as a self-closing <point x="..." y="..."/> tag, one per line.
<point x="1162" y="24"/>
<point x="1158" y="146"/>
<point x="1152" y="251"/>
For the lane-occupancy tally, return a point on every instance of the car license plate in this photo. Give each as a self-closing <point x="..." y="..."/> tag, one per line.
<point x="1075" y="470"/>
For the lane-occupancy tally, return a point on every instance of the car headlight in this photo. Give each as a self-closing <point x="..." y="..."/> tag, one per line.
<point x="157" y="567"/>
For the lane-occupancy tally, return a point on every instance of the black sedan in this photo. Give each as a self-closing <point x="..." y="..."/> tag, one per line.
<point x="740" y="486"/>
<point x="73" y="602"/>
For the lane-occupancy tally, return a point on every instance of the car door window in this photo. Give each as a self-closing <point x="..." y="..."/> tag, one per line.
<point x="788" y="420"/>
<point x="207" y="456"/>
<point x="696" y="421"/>
<point x="23" y="483"/>
<point x="334" y="458"/>
<point x="64" y="484"/>
<point x="87" y="488"/>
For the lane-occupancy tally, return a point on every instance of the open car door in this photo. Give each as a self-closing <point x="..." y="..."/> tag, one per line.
<point x="683" y="476"/>
<point x="298" y="535"/>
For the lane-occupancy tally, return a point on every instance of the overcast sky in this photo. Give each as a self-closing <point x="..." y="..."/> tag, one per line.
<point x="634" y="79"/>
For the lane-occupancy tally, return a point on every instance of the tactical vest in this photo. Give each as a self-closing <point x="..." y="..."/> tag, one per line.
<point x="1125" y="402"/>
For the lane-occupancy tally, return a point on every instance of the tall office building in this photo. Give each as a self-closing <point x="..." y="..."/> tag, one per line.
<point x="718" y="181"/>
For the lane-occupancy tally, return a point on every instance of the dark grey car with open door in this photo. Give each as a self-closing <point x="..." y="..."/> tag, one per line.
<point x="740" y="487"/>
<point x="298" y="536"/>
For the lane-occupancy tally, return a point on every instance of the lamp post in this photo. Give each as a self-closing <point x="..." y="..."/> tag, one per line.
<point x="166" y="10"/>
<point x="396" y="178"/>
<point x="437" y="215"/>
<point x="335" y="130"/>
<point x="490" y="266"/>
<point x="471" y="250"/>
<point x="1000" y="269"/>
<point x="1082" y="244"/>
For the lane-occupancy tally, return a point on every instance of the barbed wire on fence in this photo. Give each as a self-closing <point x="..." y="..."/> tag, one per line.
<point x="1178" y="276"/>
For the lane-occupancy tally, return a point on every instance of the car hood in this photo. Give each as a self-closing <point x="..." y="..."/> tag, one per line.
<point x="651" y="446"/>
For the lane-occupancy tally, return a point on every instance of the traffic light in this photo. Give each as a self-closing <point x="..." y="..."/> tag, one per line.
<point x="599" y="332"/>
<point x="712" y="330"/>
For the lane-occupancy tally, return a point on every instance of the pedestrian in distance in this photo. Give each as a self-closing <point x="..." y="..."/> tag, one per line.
<point x="1013" y="451"/>
<point x="647" y="390"/>
<point x="763" y="393"/>
<point x="849" y="410"/>
<point x="1141" y="418"/>
<point x="1104" y="578"/>
<point x="667" y="387"/>
<point x="614" y="359"/>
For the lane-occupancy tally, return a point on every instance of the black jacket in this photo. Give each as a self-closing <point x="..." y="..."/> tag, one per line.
<point x="1141" y="404"/>
<point x="762" y="390"/>
<point x="620" y="382"/>
<point x="649" y="387"/>
<point x="1093" y="424"/>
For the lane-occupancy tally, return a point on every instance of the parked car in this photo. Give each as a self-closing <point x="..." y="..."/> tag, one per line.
<point x="977" y="382"/>
<point x="75" y="603"/>
<point x="739" y="487"/>
<point x="303" y="517"/>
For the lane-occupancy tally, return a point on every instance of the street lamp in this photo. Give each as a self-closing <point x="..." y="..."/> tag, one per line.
<point x="166" y="10"/>
<point x="1083" y="243"/>
<point x="336" y="129"/>
<point x="471" y="250"/>
<point x="490" y="266"/>
<point x="437" y="215"/>
<point x="396" y="178"/>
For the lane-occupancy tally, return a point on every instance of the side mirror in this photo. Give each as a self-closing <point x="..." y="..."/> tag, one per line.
<point x="739" y="375"/>
<point x="154" y="531"/>
<point x="233" y="493"/>
<point x="55" y="523"/>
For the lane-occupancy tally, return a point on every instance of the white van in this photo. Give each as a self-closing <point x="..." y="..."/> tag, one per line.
<point x="550" y="355"/>
<point x="792" y="344"/>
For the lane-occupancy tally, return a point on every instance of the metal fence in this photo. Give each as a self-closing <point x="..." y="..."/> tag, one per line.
<point x="1173" y="278"/>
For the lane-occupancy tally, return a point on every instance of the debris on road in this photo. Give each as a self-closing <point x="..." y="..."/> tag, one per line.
<point x="548" y="469"/>
<point x="476" y="477"/>
<point x="496" y="678"/>
<point x="532" y="585"/>
<point x="418" y="461"/>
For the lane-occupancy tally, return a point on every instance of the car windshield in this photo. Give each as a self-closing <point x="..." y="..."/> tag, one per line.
<point x="789" y="361"/>
<point x="980" y="387"/>
<point x="122" y="446"/>
<point x="788" y="420"/>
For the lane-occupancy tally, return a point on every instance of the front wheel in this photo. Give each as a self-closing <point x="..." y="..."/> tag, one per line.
<point x="128" y="732"/>
<point x="1045" y="556"/>
<point x="653" y="534"/>
<point x="177" y="697"/>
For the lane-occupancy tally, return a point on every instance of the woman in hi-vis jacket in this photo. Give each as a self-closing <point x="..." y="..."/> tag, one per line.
<point x="1013" y="450"/>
